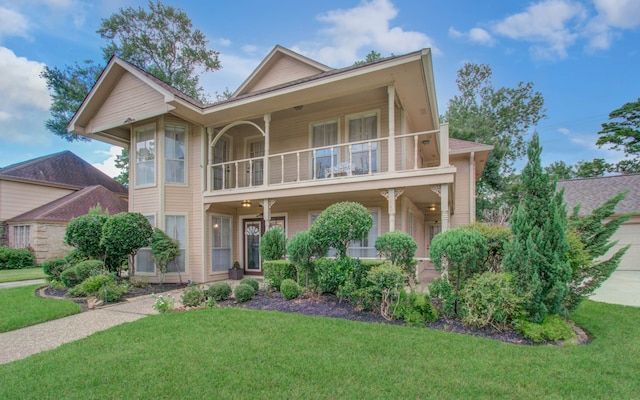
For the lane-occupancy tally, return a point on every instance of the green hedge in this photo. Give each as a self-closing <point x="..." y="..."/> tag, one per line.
<point x="276" y="271"/>
<point x="16" y="258"/>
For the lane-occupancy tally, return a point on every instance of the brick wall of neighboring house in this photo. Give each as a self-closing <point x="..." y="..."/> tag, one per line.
<point x="4" y="233"/>
<point x="48" y="241"/>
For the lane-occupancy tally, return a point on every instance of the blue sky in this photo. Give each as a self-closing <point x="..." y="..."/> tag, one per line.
<point x="582" y="55"/>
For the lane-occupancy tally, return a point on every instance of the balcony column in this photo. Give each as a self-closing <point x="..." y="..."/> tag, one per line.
<point x="209" y="163"/>
<point x="265" y="169"/>
<point x="444" y="145"/>
<point x="266" y="210"/>
<point x="444" y="207"/>
<point x="391" y="99"/>
<point x="391" y="195"/>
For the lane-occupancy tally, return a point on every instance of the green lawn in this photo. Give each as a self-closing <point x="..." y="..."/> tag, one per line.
<point x="20" y="307"/>
<point x="12" y="275"/>
<point x="236" y="353"/>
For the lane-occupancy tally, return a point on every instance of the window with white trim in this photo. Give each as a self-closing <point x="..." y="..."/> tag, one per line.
<point x="410" y="223"/>
<point x="324" y="134"/>
<point x="221" y="249"/>
<point x="174" y="153"/>
<point x="21" y="236"/>
<point x="364" y="156"/>
<point x="145" y="157"/>
<point x="176" y="226"/>
<point x="144" y="257"/>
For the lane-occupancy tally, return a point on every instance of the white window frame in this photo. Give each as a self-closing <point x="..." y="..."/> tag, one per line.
<point x="213" y="216"/>
<point x="21" y="236"/>
<point x="410" y="223"/>
<point x="333" y="252"/>
<point x="247" y="154"/>
<point x="185" y="155"/>
<point x="370" y="246"/>
<point x="312" y="148"/>
<point x="135" y="155"/>
<point x="183" y="246"/>
<point x="360" y="115"/>
<point x="152" y="220"/>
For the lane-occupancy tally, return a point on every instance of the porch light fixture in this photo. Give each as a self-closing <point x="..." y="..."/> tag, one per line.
<point x="432" y="208"/>
<point x="246" y="203"/>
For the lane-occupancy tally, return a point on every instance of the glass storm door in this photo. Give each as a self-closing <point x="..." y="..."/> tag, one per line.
<point x="252" y="234"/>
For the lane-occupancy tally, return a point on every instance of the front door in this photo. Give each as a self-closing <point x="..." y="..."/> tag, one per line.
<point x="253" y="229"/>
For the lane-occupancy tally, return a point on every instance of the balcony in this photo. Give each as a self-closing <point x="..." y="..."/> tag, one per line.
<point x="330" y="164"/>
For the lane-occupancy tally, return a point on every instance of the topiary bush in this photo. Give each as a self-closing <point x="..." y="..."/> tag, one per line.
<point x="276" y="271"/>
<point x="84" y="232"/>
<point x="243" y="293"/>
<point x="489" y="300"/>
<point x="16" y="258"/>
<point x="251" y="282"/>
<point x="303" y="249"/>
<point x="339" y="224"/>
<point x="219" y="291"/>
<point x="124" y="233"/>
<point x="399" y="248"/>
<point x="289" y="289"/>
<point x="54" y="267"/>
<point x="75" y="275"/>
<point x="273" y="244"/>
<point x="193" y="296"/>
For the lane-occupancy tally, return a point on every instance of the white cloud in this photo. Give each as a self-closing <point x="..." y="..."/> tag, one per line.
<point x="564" y="131"/>
<point x="13" y="23"/>
<point x="108" y="166"/>
<point x="249" y="48"/>
<point x="549" y="25"/>
<point x="619" y="13"/>
<point x="224" y="42"/>
<point x="360" y="29"/>
<point x="25" y="101"/>
<point x="475" y="35"/>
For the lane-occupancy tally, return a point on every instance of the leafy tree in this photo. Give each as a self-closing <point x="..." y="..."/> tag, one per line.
<point x="592" y="169"/>
<point x="372" y="56"/>
<point x="340" y="224"/>
<point x="122" y="163"/>
<point x="302" y="250"/>
<point x="588" y="268"/>
<point x="497" y="116"/>
<point x="536" y="256"/>
<point x="623" y="133"/>
<point x="164" y="250"/>
<point x="559" y="171"/>
<point x="124" y="233"/>
<point x="273" y="244"/>
<point x="84" y="233"/>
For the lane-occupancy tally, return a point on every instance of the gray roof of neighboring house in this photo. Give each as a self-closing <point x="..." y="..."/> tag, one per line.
<point x="64" y="168"/>
<point x="591" y="193"/>
<point x="74" y="205"/>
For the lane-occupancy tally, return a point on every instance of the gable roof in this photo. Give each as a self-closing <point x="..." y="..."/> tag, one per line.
<point x="64" y="168"/>
<point x="459" y="146"/>
<point x="74" y="205"/>
<point x="591" y="193"/>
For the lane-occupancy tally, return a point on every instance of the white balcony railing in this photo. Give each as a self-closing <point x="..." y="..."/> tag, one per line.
<point x="352" y="159"/>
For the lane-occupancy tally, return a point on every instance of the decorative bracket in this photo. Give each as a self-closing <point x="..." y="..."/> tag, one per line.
<point x="397" y="193"/>
<point x="436" y="189"/>
<point x="268" y="202"/>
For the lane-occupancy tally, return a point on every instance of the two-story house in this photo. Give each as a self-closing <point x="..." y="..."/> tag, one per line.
<point x="295" y="137"/>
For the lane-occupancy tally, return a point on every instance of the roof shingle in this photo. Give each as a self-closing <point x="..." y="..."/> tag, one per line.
<point x="591" y="193"/>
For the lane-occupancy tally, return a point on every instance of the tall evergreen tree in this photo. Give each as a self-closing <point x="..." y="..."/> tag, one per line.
<point x="536" y="256"/>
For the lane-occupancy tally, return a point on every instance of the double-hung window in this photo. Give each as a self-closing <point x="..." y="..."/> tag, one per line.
<point x="145" y="157"/>
<point x="366" y="248"/>
<point x="174" y="150"/>
<point x="221" y="253"/>
<point x="176" y="229"/>
<point x="323" y="135"/>
<point x="144" y="258"/>
<point x="364" y="156"/>
<point x="21" y="236"/>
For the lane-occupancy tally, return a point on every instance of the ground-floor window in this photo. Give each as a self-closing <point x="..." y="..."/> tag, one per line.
<point x="144" y="259"/>
<point x="21" y="237"/>
<point x="221" y="249"/>
<point x="176" y="229"/>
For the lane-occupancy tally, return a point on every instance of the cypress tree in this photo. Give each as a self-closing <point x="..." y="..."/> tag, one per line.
<point x="536" y="256"/>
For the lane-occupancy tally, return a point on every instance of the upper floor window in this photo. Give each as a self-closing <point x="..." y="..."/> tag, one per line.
<point x="324" y="134"/>
<point x="145" y="156"/>
<point x="174" y="149"/>
<point x="364" y="127"/>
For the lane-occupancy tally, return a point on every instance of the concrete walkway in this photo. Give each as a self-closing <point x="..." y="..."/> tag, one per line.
<point x="22" y="343"/>
<point x="6" y="285"/>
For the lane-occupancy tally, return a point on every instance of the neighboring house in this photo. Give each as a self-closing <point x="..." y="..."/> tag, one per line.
<point x="295" y="137"/>
<point x="39" y="197"/>
<point x="591" y="193"/>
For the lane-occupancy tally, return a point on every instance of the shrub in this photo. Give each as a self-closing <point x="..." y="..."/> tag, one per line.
<point x="489" y="300"/>
<point x="399" y="248"/>
<point x="164" y="249"/>
<point x="84" y="232"/>
<point x="339" y="224"/>
<point x="386" y="278"/>
<point x="124" y="233"/>
<point x="303" y="249"/>
<point x="16" y="258"/>
<point x="219" y="291"/>
<point x="243" y="293"/>
<point x="289" y="289"/>
<point x="496" y="236"/>
<point x="251" y="282"/>
<point x="163" y="304"/>
<point x="96" y="283"/>
<point x="276" y="271"/>
<point x="443" y="293"/>
<point x="75" y="256"/>
<point x="75" y="275"/>
<point x="273" y="244"/>
<point x="552" y="328"/>
<point x="192" y="296"/>
<point x="415" y="309"/>
<point x="331" y="274"/>
<point x="54" y="267"/>
<point x="114" y="292"/>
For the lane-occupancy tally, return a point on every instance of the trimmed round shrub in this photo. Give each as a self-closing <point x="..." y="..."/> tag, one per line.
<point x="243" y="293"/>
<point x="251" y="282"/>
<point x="192" y="296"/>
<point x="54" y="267"/>
<point x="339" y="224"/>
<point x="273" y="244"/>
<point x="489" y="300"/>
<point x="399" y="248"/>
<point x="77" y="274"/>
<point x="75" y="256"/>
<point x="219" y="291"/>
<point x="289" y="289"/>
<point x="16" y="258"/>
<point x="276" y="271"/>
<point x="96" y="283"/>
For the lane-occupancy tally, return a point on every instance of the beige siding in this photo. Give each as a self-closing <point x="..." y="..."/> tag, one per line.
<point x="146" y="201"/>
<point x="17" y="198"/>
<point x="461" y="214"/>
<point x="284" y="70"/>
<point x="628" y="234"/>
<point x="131" y="98"/>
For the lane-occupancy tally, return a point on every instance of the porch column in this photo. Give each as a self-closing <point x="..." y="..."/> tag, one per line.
<point x="265" y="169"/>
<point x="266" y="210"/>
<point x="392" y="195"/>
<point x="444" y="145"/>
<point x="391" y="99"/>
<point x="444" y="207"/>
<point x="209" y="163"/>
